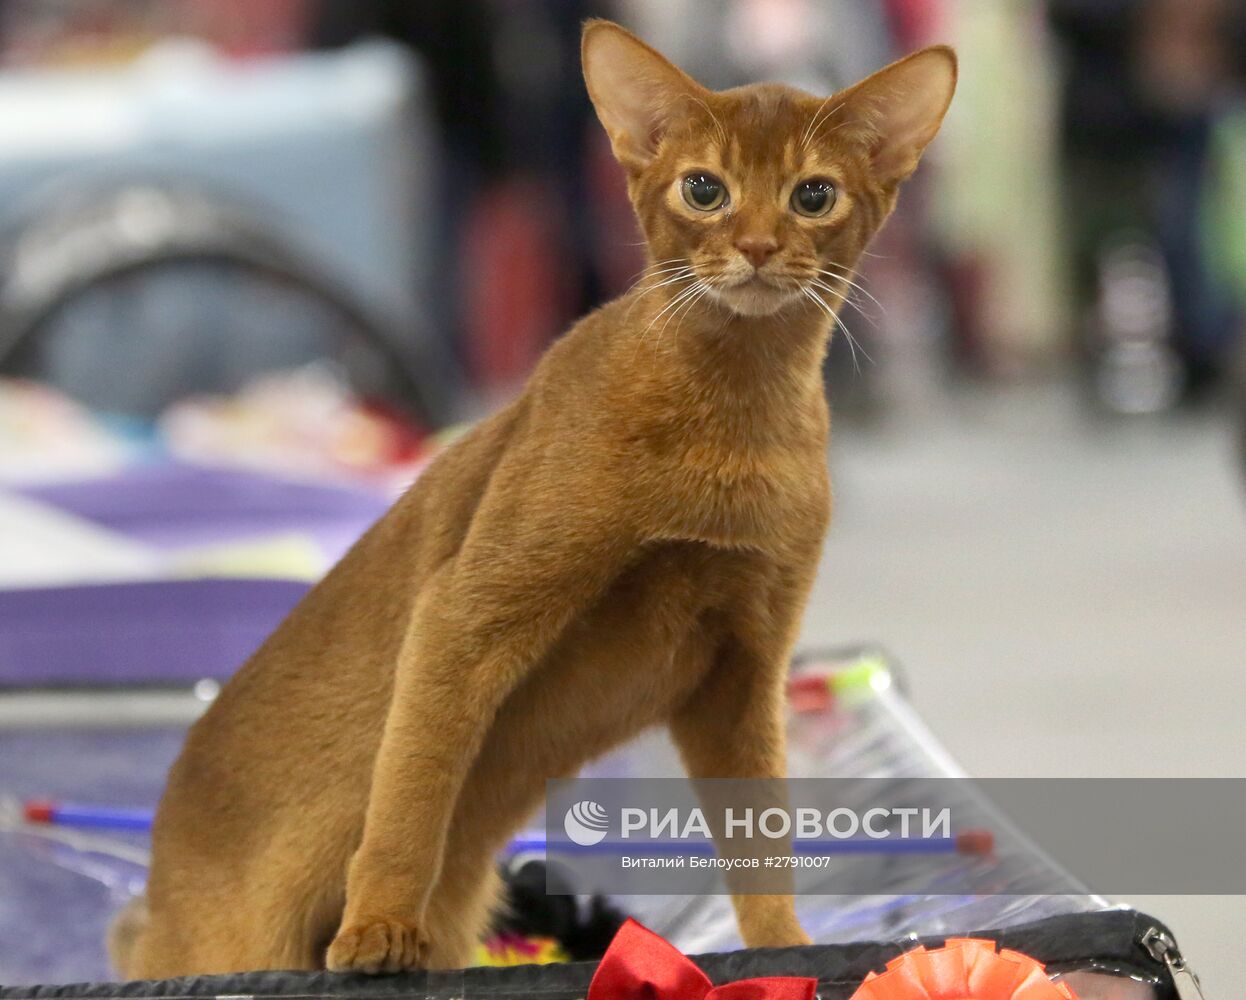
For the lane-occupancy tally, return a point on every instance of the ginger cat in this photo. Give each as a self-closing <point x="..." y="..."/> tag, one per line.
<point x="631" y="542"/>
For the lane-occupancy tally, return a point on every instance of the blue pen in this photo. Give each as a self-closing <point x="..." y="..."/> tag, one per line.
<point x="88" y="816"/>
<point x="965" y="842"/>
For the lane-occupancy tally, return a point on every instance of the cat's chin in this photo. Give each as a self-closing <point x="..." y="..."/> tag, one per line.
<point x="754" y="298"/>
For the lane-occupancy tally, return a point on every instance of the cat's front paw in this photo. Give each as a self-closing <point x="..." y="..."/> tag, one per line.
<point x="377" y="944"/>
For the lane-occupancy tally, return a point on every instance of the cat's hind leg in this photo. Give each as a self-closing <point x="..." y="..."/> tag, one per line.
<point x="124" y="934"/>
<point x="460" y="912"/>
<point x="196" y="921"/>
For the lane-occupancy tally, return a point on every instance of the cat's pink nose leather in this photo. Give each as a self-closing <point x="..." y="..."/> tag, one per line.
<point x="757" y="249"/>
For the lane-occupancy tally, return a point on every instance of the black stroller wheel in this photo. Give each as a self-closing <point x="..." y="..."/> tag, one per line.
<point x="132" y="296"/>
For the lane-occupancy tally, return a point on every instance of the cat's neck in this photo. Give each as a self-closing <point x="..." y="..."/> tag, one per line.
<point x="748" y="357"/>
<point x="736" y="377"/>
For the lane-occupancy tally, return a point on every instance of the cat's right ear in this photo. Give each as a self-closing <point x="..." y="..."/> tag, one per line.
<point x="635" y="90"/>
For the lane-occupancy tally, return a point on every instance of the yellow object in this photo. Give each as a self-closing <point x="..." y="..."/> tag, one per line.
<point x="281" y="557"/>
<point x="516" y="949"/>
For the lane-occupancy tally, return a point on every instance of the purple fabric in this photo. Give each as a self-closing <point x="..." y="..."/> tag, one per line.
<point x="171" y="504"/>
<point x="172" y="631"/>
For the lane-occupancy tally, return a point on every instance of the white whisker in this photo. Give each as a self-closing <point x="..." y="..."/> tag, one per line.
<point x="842" y="124"/>
<point x="722" y="132"/>
<point x="689" y="275"/>
<point x="852" y="341"/>
<point x="811" y="130"/>
<point x="675" y="265"/>
<point x="804" y="136"/>
<point x="659" y="266"/>
<point x="702" y="289"/>
<point x="663" y="278"/>
<point x="846" y="299"/>
<point x="683" y="294"/>
<point x="674" y="303"/>
<point x="860" y="288"/>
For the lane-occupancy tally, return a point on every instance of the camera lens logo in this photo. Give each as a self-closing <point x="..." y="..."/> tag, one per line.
<point x="586" y="823"/>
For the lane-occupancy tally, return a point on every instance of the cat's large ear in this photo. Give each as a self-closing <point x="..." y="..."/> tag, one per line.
<point x="902" y="107"/>
<point x="635" y="90"/>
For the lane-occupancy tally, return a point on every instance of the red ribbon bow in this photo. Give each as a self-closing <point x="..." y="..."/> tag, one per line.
<point x="641" y="965"/>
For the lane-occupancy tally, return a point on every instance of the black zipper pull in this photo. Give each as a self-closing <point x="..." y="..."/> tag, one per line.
<point x="1163" y="948"/>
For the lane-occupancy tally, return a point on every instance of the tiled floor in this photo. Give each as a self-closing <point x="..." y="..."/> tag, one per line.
<point x="1068" y="594"/>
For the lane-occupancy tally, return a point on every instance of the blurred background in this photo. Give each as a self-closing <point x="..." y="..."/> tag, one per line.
<point x="259" y="260"/>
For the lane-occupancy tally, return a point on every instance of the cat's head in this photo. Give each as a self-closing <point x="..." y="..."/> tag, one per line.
<point x="762" y="190"/>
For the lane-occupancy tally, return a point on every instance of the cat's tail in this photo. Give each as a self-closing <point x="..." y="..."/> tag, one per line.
<point x="124" y="932"/>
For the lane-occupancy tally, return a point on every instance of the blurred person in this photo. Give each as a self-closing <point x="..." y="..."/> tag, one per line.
<point x="454" y="45"/>
<point x="518" y="180"/>
<point x="994" y="203"/>
<point x="1143" y="84"/>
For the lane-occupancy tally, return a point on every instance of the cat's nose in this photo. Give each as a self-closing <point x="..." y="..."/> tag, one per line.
<point x="757" y="249"/>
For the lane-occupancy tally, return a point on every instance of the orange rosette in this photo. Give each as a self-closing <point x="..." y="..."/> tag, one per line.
<point x="963" y="969"/>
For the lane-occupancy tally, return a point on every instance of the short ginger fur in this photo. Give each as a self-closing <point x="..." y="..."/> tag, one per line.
<point x="630" y="543"/>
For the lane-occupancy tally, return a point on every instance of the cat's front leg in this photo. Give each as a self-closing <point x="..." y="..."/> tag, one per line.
<point x="733" y="727"/>
<point x="481" y="624"/>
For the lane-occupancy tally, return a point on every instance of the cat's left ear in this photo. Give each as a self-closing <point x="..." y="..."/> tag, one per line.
<point x="636" y="90"/>
<point x="902" y="107"/>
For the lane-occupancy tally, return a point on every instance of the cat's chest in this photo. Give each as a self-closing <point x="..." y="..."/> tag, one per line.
<point x="760" y="498"/>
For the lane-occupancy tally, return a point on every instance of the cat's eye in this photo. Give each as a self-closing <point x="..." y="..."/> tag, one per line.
<point x="704" y="192"/>
<point x="813" y="198"/>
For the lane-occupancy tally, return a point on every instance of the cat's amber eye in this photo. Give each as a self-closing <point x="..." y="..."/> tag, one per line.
<point x="704" y="192"/>
<point x="813" y="198"/>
